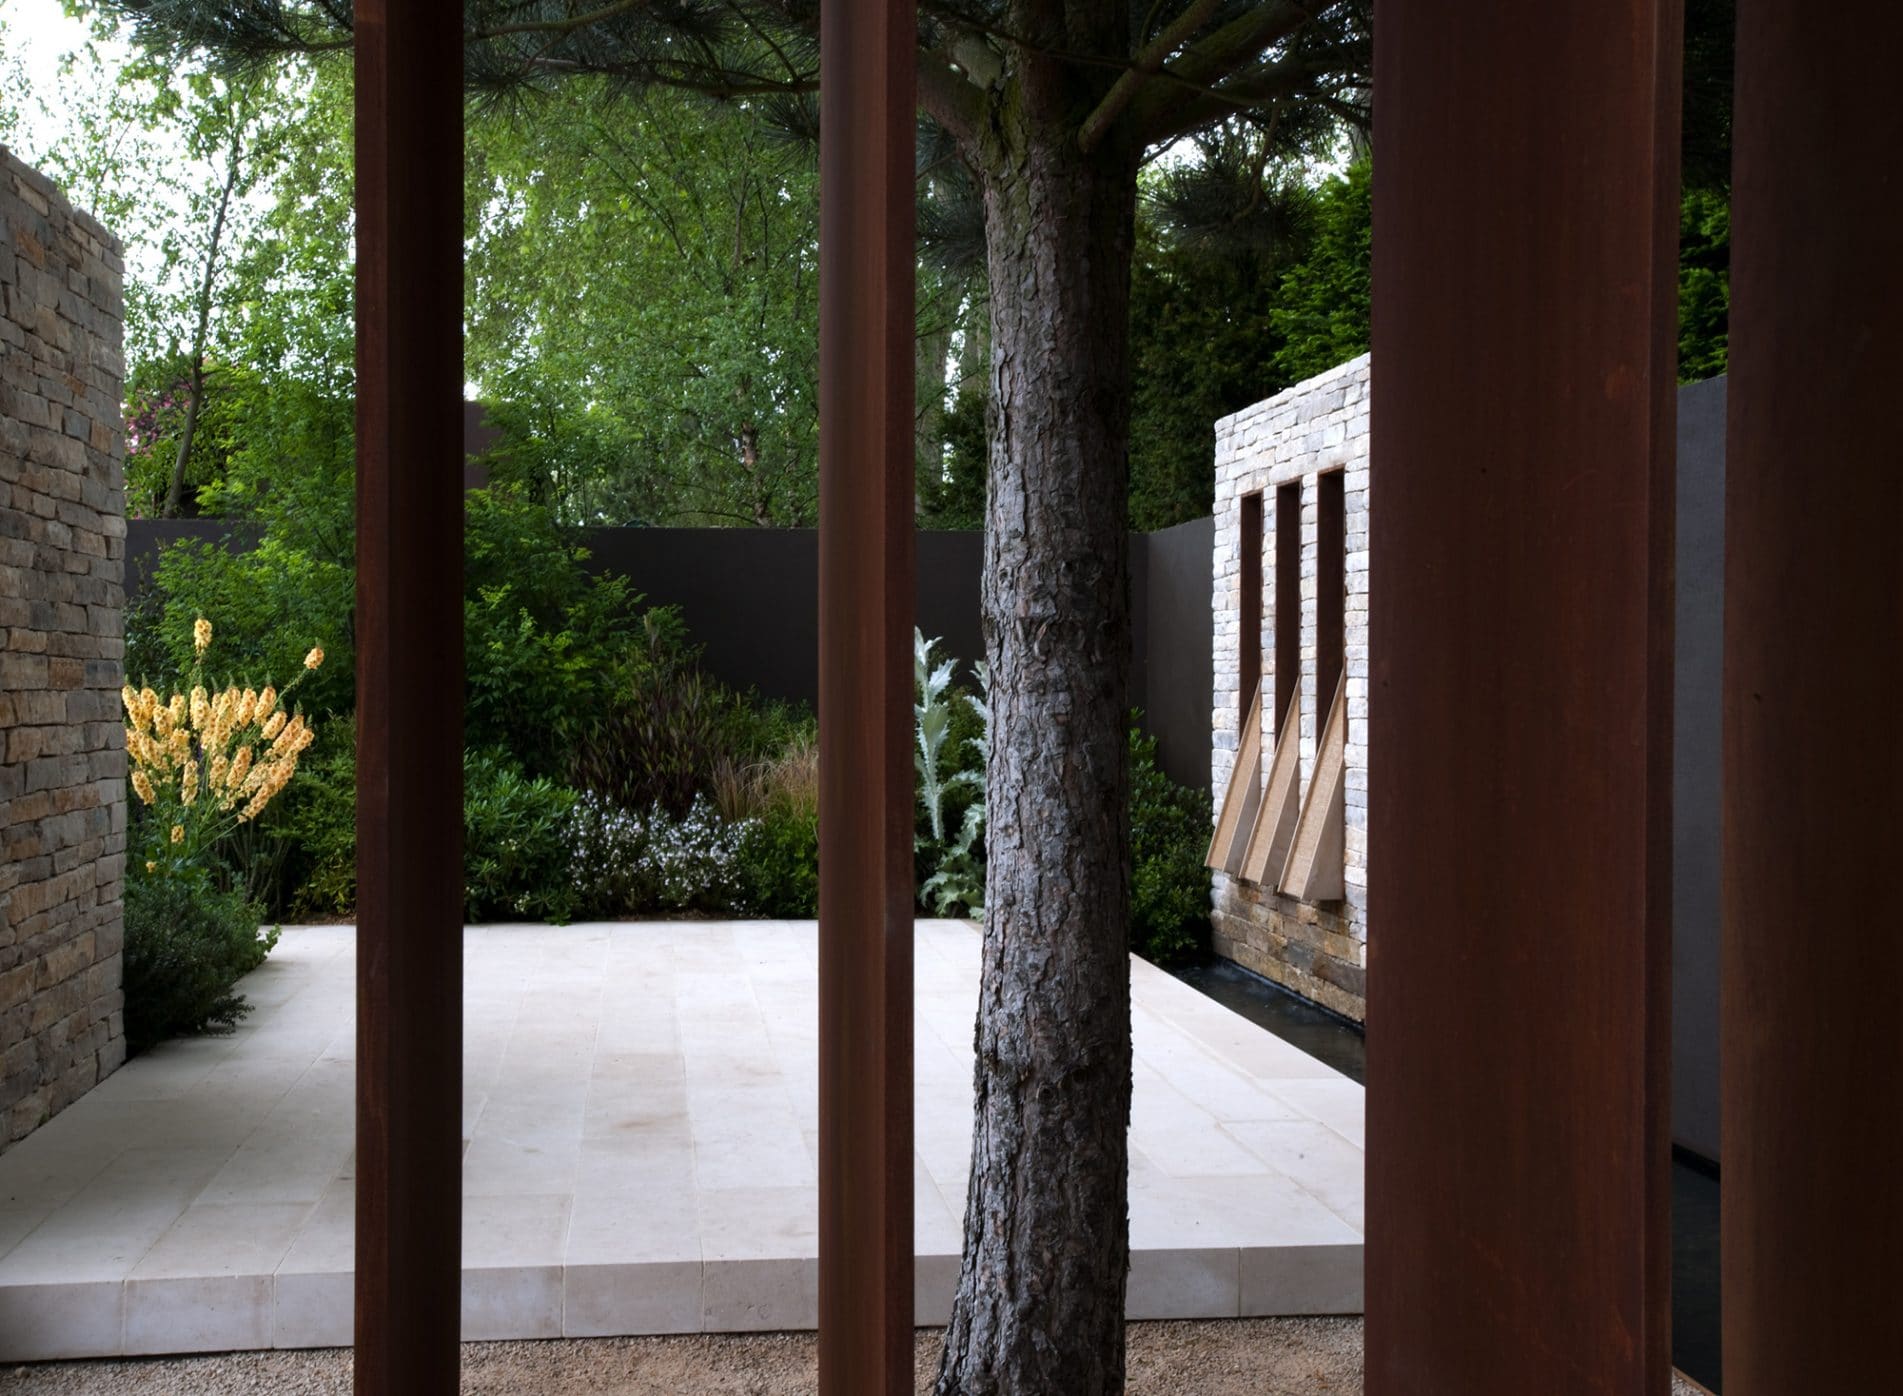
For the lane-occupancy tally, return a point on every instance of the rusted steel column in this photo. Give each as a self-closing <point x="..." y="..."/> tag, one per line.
<point x="409" y="687"/>
<point x="866" y="356"/>
<point x="1525" y="243"/>
<point x="1812" y="957"/>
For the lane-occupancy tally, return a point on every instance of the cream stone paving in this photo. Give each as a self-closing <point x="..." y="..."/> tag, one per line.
<point x="641" y="1114"/>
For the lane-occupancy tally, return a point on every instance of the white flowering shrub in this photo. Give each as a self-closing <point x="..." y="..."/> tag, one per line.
<point x="625" y="863"/>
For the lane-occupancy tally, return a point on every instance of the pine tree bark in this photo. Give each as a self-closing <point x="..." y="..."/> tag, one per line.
<point x="1039" y="1307"/>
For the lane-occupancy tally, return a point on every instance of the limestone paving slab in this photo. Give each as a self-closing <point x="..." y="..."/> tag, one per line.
<point x="641" y="1121"/>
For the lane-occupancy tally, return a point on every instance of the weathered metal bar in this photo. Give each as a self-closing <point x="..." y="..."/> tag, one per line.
<point x="409" y="687"/>
<point x="866" y="358"/>
<point x="1525" y="243"/>
<point x="1811" y="961"/>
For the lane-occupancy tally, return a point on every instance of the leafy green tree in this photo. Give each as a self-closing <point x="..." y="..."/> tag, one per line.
<point x="1322" y="307"/>
<point x="16" y="91"/>
<point x="953" y="494"/>
<point x="285" y="396"/>
<point x="1704" y="284"/>
<point x="203" y="174"/>
<point x="642" y="281"/>
<point x="1217" y="233"/>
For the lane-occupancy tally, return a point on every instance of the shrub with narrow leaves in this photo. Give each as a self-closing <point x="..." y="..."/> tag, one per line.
<point x="515" y="856"/>
<point x="664" y="731"/>
<point x="187" y="943"/>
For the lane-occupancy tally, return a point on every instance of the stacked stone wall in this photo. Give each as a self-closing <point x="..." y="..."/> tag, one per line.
<point x="62" y="603"/>
<point x="1319" y="950"/>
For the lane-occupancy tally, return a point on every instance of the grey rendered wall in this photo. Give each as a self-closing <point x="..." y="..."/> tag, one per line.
<point x="1696" y="755"/>
<point x="1174" y="638"/>
<point x="751" y="596"/>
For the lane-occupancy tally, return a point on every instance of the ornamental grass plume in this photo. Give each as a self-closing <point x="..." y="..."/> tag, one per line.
<point x="204" y="762"/>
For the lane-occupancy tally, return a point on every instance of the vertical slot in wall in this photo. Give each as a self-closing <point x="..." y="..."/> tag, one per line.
<point x="1331" y="579"/>
<point x="1249" y="633"/>
<point x="1288" y="600"/>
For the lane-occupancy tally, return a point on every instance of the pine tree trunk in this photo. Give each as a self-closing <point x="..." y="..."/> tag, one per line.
<point x="1039" y="1308"/>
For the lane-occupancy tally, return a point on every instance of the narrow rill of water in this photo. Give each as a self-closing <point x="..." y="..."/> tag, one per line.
<point x="1340" y="1044"/>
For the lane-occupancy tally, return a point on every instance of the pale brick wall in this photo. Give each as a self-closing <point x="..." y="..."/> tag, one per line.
<point x="1320" y="951"/>
<point x="62" y="602"/>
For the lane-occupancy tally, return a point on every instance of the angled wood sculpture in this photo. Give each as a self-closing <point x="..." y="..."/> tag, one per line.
<point x="1281" y="802"/>
<point x="1244" y="792"/>
<point x="1313" y="872"/>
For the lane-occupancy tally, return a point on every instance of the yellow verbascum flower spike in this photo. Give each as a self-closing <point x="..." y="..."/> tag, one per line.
<point x="201" y="635"/>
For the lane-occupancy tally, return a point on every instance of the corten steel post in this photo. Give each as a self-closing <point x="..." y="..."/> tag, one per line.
<point x="409" y="685"/>
<point x="1812" y="955"/>
<point x="866" y="355"/>
<point x="1525" y="243"/>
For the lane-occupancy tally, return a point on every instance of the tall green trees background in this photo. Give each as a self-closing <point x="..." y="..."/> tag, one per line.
<point x="641" y="290"/>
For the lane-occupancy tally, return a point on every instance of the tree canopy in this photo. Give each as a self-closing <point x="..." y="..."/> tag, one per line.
<point x="642" y="294"/>
<point x="1165" y="70"/>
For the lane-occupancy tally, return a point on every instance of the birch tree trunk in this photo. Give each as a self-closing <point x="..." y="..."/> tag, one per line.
<point x="195" y="373"/>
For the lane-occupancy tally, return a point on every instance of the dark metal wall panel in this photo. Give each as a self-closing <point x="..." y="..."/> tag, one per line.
<point x="409" y="743"/>
<point x="1287" y="602"/>
<point x="1331" y="588"/>
<point x="1249" y="606"/>
<point x="1813" y="750"/>
<point x="751" y="596"/>
<point x="1174" y="652"/>
<point x="866" y="567"/>
<point x="1698" y="704"/>
<point x="1520" y="813"/>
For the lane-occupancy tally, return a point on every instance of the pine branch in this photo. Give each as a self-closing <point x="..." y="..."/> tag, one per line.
<point x="1148" y="64"/>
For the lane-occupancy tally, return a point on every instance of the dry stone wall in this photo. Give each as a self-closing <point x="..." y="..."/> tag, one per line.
<point x="62" y="602"/>
<point x="1319" y="950"/>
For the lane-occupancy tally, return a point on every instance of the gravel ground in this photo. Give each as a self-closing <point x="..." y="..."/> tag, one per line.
<point x="1249" y="1357"/>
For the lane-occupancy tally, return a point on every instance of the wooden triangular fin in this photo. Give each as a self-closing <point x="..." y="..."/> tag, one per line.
<point x="1241" y="796"/>
<point x="1314" y="869"/>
